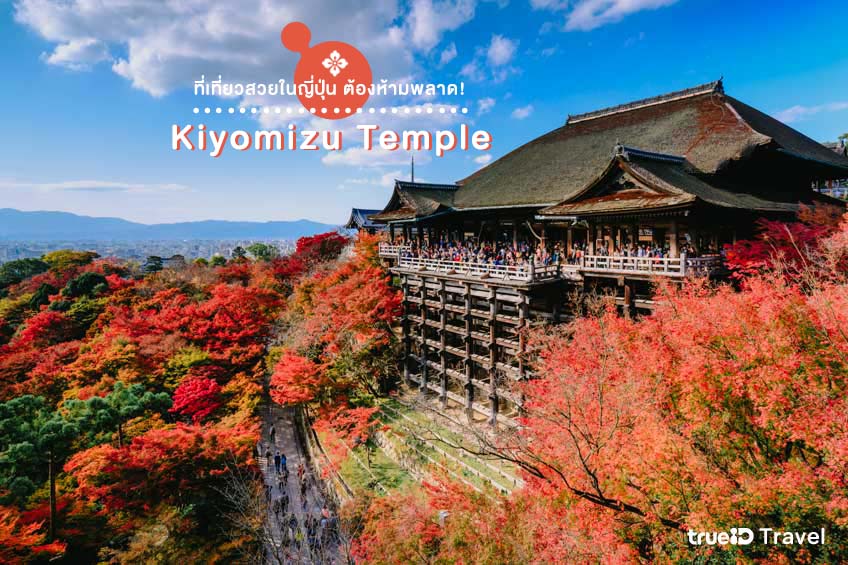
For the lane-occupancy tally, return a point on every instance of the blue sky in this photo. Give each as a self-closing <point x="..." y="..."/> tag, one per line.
<point x="92" y="88"/>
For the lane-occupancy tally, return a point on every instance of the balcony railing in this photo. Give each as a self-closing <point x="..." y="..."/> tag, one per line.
<point x="480" y="270"/>
<point x="390" y="251"/>
<point x="589" y="264"/>
<point x="649" y="266"/>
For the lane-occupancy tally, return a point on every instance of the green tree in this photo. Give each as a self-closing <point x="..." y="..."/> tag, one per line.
<point x="153" y="264"/>
<point x="14" y="272"/>
<point x="218" y="261"/>
<point x="42" y="296"/>
<point x="239" y="252"/>
<point x="263" y="251"/>
<point x="202" y="261"/>
<point x="36" y="440"/>
<point x="85" y="285"/>
<point x="108" y="414"/>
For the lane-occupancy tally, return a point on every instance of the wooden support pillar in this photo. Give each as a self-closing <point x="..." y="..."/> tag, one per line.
<point x="493" y="357"/>
<point x="556" y="306"/>
<point x="420" y="235"/>
<point x="391" y="233"/>
<point x="443" y="325"/>
<point x="422" y="385"/>
<point x="523" y="308"/>
<point x="696" y="245"/>
<point x="469" y="369"/>
<point x="672" y="236"/>
<point x="407" y="346"/>
<point x="592" y="238"/>
<point x="628" y="299"/>
<point x="569" y="239"/>
<point x="515" y="234"/>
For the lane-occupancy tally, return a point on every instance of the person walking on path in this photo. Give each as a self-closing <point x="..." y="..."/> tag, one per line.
<point x="268" y="458"/>
<point x="284" y="501"/>
<point x="273" y="434"/>
<point x="278" y="507"/>
<point x="283" y="462"/>
<point x="277" y="461"/>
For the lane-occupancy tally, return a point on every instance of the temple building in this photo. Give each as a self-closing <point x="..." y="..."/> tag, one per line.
<point x="607" y="203"/>
<point x="359" y="220"/>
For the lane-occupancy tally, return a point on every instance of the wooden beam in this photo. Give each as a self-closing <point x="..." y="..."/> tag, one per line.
<point x="469" y="368"/>
<point x="443" y="322"/>
<point x="493" y="357"/>
<point x="407" y="348"/>
<point x="423" y="383"/>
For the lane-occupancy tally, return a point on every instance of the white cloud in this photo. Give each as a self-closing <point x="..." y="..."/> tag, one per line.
<point x="549" y="4"/>
<point x="547" y="27"/>
<point x="633" y="40"/>
<point x="483" y="159"/>
<point x="428" y="20"/>
<point x="798" y="112"/>
<point x="359" y="157"/>
<point x="168" y="45"/>
<point x="522" y="112"/>
<point x="491" y="62"/>
<point x="590" y="14"/>
<point x="548" y="51"/>
<point x="472" y="71"/>
<point x="94" y="186"/>
<point x="78" y="54"/>
<point x="501" y="50"/>
<point x="386" y="180"/>
<point x="448" y="55"/>
<point x="585" y="15"/>
<point x="485" y="105"/>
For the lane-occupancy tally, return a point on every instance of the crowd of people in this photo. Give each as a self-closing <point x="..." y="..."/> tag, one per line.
<point x="318" y="531"/>
<point x="523" y="253"/>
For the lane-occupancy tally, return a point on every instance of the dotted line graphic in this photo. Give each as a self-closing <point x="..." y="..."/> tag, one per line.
<point x="302" y="110"/>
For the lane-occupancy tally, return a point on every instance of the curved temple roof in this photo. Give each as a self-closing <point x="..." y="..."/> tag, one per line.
<point x="702" y="124"/>
<point x="650" y="181"/>
<point x="359" y="219"/>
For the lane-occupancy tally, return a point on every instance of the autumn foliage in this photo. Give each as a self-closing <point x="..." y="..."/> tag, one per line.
<point x="143" y="390"/>
<point x="726" y="407"/>
<point x="341" y="351"/>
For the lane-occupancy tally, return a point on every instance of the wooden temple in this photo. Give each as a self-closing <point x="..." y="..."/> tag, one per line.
<point x="360" y="221"/>
<point x="684" y="173"/>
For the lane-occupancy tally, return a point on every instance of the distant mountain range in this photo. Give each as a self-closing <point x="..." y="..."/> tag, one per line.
<point x="16" y="225"/>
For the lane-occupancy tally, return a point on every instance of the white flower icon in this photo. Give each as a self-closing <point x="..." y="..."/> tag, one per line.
<point x="334" y="63"/>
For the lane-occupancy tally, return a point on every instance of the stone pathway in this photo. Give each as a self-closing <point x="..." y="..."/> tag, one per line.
<point x="287" y="530"/>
